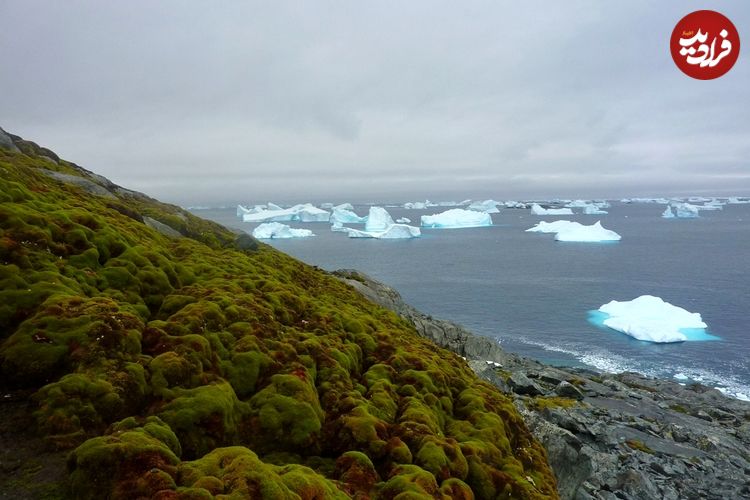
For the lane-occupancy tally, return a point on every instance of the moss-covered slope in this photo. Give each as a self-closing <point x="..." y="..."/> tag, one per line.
<point x="209" y="366"/>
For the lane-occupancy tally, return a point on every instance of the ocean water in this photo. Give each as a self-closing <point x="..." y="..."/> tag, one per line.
<point x="535" y="295"/>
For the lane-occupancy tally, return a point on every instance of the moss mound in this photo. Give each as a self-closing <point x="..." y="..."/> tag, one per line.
<point x="203" y="366"/>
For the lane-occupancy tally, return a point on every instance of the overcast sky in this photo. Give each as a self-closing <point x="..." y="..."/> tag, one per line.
<point x="375" y="101"/>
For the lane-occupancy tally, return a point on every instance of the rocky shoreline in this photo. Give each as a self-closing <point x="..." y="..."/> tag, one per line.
<point x="607" y="436"/>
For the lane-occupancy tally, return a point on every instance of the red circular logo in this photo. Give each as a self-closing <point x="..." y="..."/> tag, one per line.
<point x="705" y="44"/>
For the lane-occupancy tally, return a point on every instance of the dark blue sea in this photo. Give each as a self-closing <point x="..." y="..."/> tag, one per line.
<point x="534" y="294"/>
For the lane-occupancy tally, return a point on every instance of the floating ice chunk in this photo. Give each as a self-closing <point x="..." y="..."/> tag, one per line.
<point x="380" y="225"/>
<point x="345" y="206"/>
<point x="275" y="230"/>
<point x="651" y="319"/>
<point x="515" y="204"/>
<point x="488" y="206"/>
<point x="346" y="216"/>
<point x="338" y="227"/>
<point x="417" y="205"/>
<point x="577" y="204"/>
<point x="685" y="211"/>
<point x="680" y="376"/>
<point x="404" y="220"/>
<point x="282" y="215"/>
<point x="736" y="201"/>
<point x="587" y="234"/>
<point x="553" y="227"/>
<point x="378" y="219"/>
<point x="457" y="218"/>
<point x="304" y="213"/>
<point x="536" y="209"/>
<point x="668" y="214"/>
<point x="660" y="201"/>
<point x="326" y="206"/>
<point x="394" y="231"/>
<point x="592" y="209"/>
<point x="566" y="230"/>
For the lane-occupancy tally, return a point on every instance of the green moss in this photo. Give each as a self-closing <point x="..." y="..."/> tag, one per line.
<point x="104" y="319"/>
<point x="205" y="417"/>
<point x="120" y="465"/>
<point x="287" y="413"/>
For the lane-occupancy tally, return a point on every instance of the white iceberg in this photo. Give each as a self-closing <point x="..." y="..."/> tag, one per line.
<point x="338" y="227"/>
<point x="660" y="201"/>
<point x="378" y="219"/>
<point x="577" y="204"/>
<point x="380" y="225"/>
<point x="685" y="211"/>
<point x="566" y="230"/>
<point x="651" y="319"/>
<point x="594" y="209"/>
<point x="275" y="230"/>
<point x="488" y="206"/>
<point x="346" y="216"/>
<point x="536" y="209"/>
<point x="668" y="213"/>
<point x="404" y="220"/>
<point x="553" y="227"/>
<point x="457" y="218"/>
<point x="394" y="231"/>
<point x="587" y="234"/>
<point x="344" y="206"/>
<point x="274" y="213"/>
<point x="326" y="206"/>
<point x="515" y="204"/>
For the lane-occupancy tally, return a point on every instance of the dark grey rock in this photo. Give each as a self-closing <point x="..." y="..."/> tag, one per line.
<point x="162" y="228"/>
<point x="6" y="142"/>
<point x="246" y="243"/>
<point x="86" y="184"/>
<point x="521" y="384"/>
<point x="567" y="390"/>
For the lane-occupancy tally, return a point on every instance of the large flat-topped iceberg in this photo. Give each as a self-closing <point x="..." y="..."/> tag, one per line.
<point x="566" y="230"/>
<point x="651" y="319"/>
<point x="489" y="206"/>
<point x="304" y="213"/>
<point x="276" y="230"/>
<point x="537" y="209"/>
<point x="457" y="218"/>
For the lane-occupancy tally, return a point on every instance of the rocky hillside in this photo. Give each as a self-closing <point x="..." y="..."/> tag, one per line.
<point x="608" y="436"/>
<point x="147" y="353"/>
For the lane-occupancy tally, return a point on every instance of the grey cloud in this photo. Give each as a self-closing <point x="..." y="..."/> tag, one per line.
<point x="297" y="101"/>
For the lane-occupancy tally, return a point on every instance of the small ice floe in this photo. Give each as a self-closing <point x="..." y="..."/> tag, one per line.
<point x="537" y="209"/>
